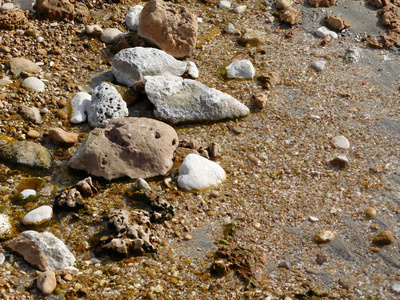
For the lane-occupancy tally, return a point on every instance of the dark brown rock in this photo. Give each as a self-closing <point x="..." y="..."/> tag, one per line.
<point x="323" y="3"/>
<point x="55" y="9"/>
<point x="13" y="19"/>
<point x="171" y="27"/>
<point x="63" y="138"/>
<point x="133" y="147"/>
<point x="384" y="238"/>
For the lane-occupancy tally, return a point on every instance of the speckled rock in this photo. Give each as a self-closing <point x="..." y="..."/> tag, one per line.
<point x="290" y="16"/>
<point x="132" y="17"/>
<point x="241" y="69"/>
<point x="106" y="105"/>
<point x="42" y="250"/>
<point x="31" y="114"/>
<point x="46" y="282"/>
<point x="198" y="173"/>
<point x="55" y="9"/>
<point x="6" y="228"/>
<point x="63" y="138"/>
<point x="177" y="100"/>
<point x="27" y="154"/>
<point x="38" y="215"/>
<point x="132" y="147"/>
<point x="173" y="28"/>
<point x="132" y="64"/>
<point x="13" y="19"/>
<point x="19" y="64"/>
<point x="33" y="84"/>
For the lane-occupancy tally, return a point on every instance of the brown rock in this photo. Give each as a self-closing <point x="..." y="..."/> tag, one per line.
<point x="55" y="9"/>
<point x="214" y="149"/>
<point x="336" y="23"/>
<point x="86" y="187"/>
<point x="20" y="64"/>
<point x="376" y="3"/>
<point x="375" y="44"/>
<point x="13" y="19"/>
<point x="33" y="134"/>
<point x="181" y="153"/>
<point x="252" y="38"/>
<point x="63" y="138"/>
<point x="30" y="113"/>
<point x="171" y="27"/>
<point x="46" y="282"/>
<point x="69" y="200"/>
<point x="290" y="16"/>
<point x="260" y="100"/>
<point x="62" y="114"/>
<point x="323" y="3"/>
<point x="270" y="80"/>
<point x="324" y="236"/>
<point x="384" y="238"/>
<point x="82" y="13"/>
<point x="133" y="147"/>
<point x="370" y="213"/>
<point x="61" y="103"/>
<point x="5" y="49"/>
<point x="340" y="161"/>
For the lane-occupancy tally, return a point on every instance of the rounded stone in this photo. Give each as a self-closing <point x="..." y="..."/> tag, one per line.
<point x="370" y="213"/>
<point x="38" y="215"/>
<point x="384" y="238"/>
<point x="324" y="236"/>
<point x="46" y="282"/>
<point x="341" y="142"/>
<point x="33" y="84"/>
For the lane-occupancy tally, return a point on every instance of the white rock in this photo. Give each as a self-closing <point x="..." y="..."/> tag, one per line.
<point x="110" y="34"/>
<point x="106" y="105"/>
<point x="38" y="215"/>
<point x="177" y="100"/>
<point x="5" y="81"/>
<point x="28" y="192"/>
<point x="191" y="69"/>
<point x="79" y="105"/>
<point x="318" y="65"/>
<point x="224" y="4"/>
<point x="239" y="9"/>
<point x="71" y="270"/>
<point x="324" y="32"/>
<point x="230" y="29"/>
<point x="43" y="250"/>
<point x="132" y="64"/>
<point x="282" y="4"/>
<point x="5" y="226"/>
<point x="33" y="84"/>
<point x="396" y="287"/>
<point x="341" y="142"/>
<point x="132" y="17"/>
<point x="7" y="6"/>
<point x="198" y="173"/>
<point x="25" y="4"/>
<point x="2" y="258"/>
<point x="40" y="39"/>
<point x="241" y="69"/>
<point x="93" y="29"/>
<point x="141" y="184"/>
<point x="313" y="219"/>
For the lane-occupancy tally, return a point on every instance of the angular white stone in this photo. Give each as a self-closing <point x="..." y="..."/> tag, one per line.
<point x="318" y="65"/>
<point x="224" y="4"/>
<point x="38" y="215"/>
<point x="110" y="34"/>
<point x="28" y="192"/>
<point x="239" y="9"/>
<point x="177" y="100"/>
<point x="132" y="64"/>
<point x="231" y="29"/>
<point x="324" y="32"/>
<point x="33" y="84"/>
<point x="241" y="69"/>
<point x="192" y="69"/>
<point x="5" y="226"/>
<point x="341" y="142"/>
<point x="5" y="81"/>
<point x="79" y="105"/>
<point x="198" y="173"/>
<point x="106" y="105"/>
<point x="132" y="17"/>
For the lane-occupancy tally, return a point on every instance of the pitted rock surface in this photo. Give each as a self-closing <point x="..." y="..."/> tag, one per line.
<point x="133" y="147"/>
<point x="171" y="27"/>
<point x="55" y="9"/>
<point x="106" y="105"/>
<point x="13" y="19"/>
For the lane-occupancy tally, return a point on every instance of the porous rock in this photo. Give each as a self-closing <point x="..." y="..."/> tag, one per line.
<point x="13" y="19"/>
<point x="323" y="3"/>
<point x="173" y="28"/>
<point x="26" y="153"/>
<point x="55" y="9"/>
<point x="69" y="200"/>
<point x="86" y="187"/>
<point x="106" y="105"/>
<point x="270" y="80"/>
<point x="132" y="64"/>
<point x="198" y="173"/>
<point x="180" y="100"/>
<point x="46" y="282"/>
<point x="63" y="138"/>
<point x="133" y="147"/>
<point x="290" y="16"/>
<point x="42" y="250"/>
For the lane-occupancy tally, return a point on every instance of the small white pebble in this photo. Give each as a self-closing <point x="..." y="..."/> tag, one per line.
<point x="225" y="4"/>
<point x="239" y="9"/>
<point x="313" y="219"/>
<point x="40" y="39"/>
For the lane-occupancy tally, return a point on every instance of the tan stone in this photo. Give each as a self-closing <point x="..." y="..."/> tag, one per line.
<point x="260" y="100"/>
<point x="13" y="19"/>
<point x="384" y="238"/>
<point x="55" y="9"/>
<point x="20" y="64"/>
<point x="33" y="134"/>
<point x="63" y="138"/>
<point x="171" y="27"/>
<point x="324" y="236"/>
<point x="370" y="212"/>
<point x="46" y="282"/>
<point x="336" y="23"/>
<point x="290" y="16"/>
<point x="323" y="3"/>
<point x="252" y="38"/>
